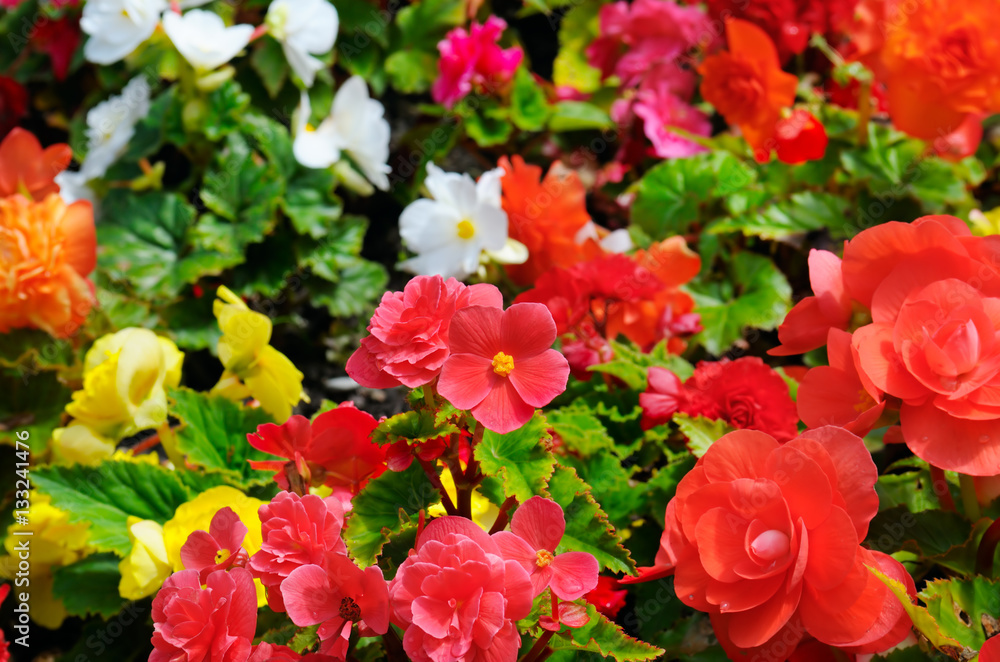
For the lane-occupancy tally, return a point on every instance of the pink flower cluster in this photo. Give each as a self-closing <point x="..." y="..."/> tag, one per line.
<point x="473" y="59"/>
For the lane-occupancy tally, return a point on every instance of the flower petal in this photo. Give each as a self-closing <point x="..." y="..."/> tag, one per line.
<point x="573" y="574"/>
<point x="541" y="378"/>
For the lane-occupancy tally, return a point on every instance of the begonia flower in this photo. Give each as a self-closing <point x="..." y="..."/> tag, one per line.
<point x="303" y="29"/>
<point x="473" y="59"/>
<point x="195" y="624"/>
<point x="111" y="125"/>
<point x="501" y="365"/>
<point x="78" y="443"/>
<point x="800" y="137"/>
<point x="204" y="40"/>
<point x="806" y="324"/>
<point x="765" y="537"/>
<point x="660" y="108"/>
<point x="355" y="126"/>
<point x="606" y="596"/>
<point x="219" y="548"/>
<point x="451" y="231"/>
<point x="334" y="450"/>
<point x="536" y="529"/>
<point x="408" y="334"/>
<point x="59" y="39"/>
<point x="336" y="597"/>
<point x="296" y="531"/>
<point x="146" y="567"/>
<point x="473" y="619"/>
<point x="118" y="27"/>
<point x="27" y="169"/>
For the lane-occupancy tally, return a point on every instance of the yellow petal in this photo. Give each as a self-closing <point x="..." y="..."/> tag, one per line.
<point x="78" y="444"/>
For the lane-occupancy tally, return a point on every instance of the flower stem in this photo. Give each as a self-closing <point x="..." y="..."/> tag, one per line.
<point x="502" y="518"/>
<point x="943" y="495"/>
<point x="432" y="476"/>
<point x="536" y="651"/>
<point x="969" y="501"/>
<point x="987" y="550"/>
<point x="393" y="646"/>
<point x="864" y="111"/>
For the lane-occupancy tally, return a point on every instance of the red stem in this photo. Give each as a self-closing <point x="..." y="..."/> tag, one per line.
<point x="937" y="478"/>
<point x="432" y="476"/>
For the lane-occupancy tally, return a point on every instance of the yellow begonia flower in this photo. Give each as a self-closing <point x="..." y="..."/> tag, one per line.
<point x="146" y="567"/>
<point x="78" y="444"/>
<point x="126" y="375"/>
<point x="54" y="542"/>
<point x="245" y="352"/>
<point x="985" y="224"/>
<point x="197" y="515"/>
<point x="484" y="513"/>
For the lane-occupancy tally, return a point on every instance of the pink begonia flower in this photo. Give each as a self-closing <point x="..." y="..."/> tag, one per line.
<point x="408" y="341"/>
<point x="457" y="598"/>
<point x="501" y="366"/>
<point x="295" y="531"/>
<point x="661" y="109"/>
<point x="473" y="58"/>
<point x="264" y="652"/>
<point x="535" y="531"/>
<point x="220" y="548"/>
<point x="336" y="597"/>
<point x="806" y="325"/>
<point x="212" y="624"/>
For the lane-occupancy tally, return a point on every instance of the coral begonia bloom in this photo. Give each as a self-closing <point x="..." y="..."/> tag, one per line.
<point x="334" y="450"/>
<point x="747" y="86"/>
<point x="408" y="334"/>
<point x="219" y="548"/>
<point x="800" y="137"/>
<point x="807" y="323"/>
<point x="296" y="531"/>
<point x="47" y="249"/>
<point x="28" y="169"/>
<point x="545" y="214"/>
<point x="766" y="537"/>
<point x="501" y="366"/>
<point x="471" y="58"/>
<point x="457" y="598"/>
<point x="336" y="597"/>
<point x="536" y="529"/>
<point x="195" y="624"/>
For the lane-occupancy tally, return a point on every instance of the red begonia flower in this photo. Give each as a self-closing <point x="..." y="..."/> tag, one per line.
<point x="220" y="548"/>
<point x="800" y="138"/>
<point x="606" y="597"/>
<point x="806" y="325"/>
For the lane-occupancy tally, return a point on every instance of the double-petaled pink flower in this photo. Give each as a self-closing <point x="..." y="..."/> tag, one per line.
<point x="473" y="58"/>
<point x="501" y="366"/>
<point x="220" y="548"/>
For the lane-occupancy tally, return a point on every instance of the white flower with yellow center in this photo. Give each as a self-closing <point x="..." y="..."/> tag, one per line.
<point x="118" y="27"/>
<point x="303" y="28"/>
<point x="203" y="38"/>
<point x="460" y="226"/>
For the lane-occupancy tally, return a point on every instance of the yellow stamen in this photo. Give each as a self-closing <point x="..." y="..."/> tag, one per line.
<point x="503" y="364"/>
<point x="465" y="230"/>
<point x="221" y="556"/>
<point x="544" y="557"/>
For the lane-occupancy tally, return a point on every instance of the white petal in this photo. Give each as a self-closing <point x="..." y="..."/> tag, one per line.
<point x="203" y="38"/>
<point x="428" y="225"/>
<point x="619" y="241"/>
<point x="304" y="65"/>
<point x="444" y="262"/>
<point x="491" y="226"/>
<point x="513" y="252"/>
<point x="488" y="187"/>
<point x="451" y="189"/>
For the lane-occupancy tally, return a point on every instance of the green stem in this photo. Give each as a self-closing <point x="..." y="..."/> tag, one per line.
<point x="969" y="501"/>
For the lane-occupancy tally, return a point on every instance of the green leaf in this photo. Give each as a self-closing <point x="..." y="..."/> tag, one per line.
<point x="361" y="283"/>
<point x="305" y="639"/>
<point x="578" y="28"/>
<point x="755" y="294"/>
<point x="106" y="495"/>
<point x="520" y="458"/>
<point x="89" y="586"/>
<point x="411" y="427"/>
<point x="631" y="365"/>
<point x="33" y="350"/>
<point x="272" y="140"/>
<point x="412" y="67"/>
<point x="579" y="116"/>
<point x="529" y="108"/>
<point x="931" y="533"/>
<point x="310" y="202"/>
<point x="488" y="125"/>
<point x="225" y="110"/>
<point x="958" y="606"/>
<point x="32" y="402"/>
<point x="909" y="483"/>
<point x="338" y="249"/>
<point x="700" y="431"/>
<point x="150" y="130"/>
<point x="804" y="212"/>
<point x="580" y="430"/>
<point x="411" y="72"/>
<point x="923" y="620"/>
<point x="142" y="240"/>
<point x="268" y="60"/>
<point x="384" y="507"/>
<point x="670" y="195"/>
<point x="602" y="636"/>
<point x="662" y="486"/>
<point x="621" y="496"/>
<point x="587" y="526"/>
<point x="213" y="435"/>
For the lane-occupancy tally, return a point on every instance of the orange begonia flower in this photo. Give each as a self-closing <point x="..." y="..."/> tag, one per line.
<point x="545" y="215"/>
<point x="28" y="169"/>
<point x="746" y="84"/>
<point x="46" y="251"/>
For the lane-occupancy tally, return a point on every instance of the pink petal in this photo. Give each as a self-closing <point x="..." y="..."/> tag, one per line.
<point x="466" y="379"/>
<point x="306" y="600"/>
<point x="442" y="527"/>
<point x="517" y="590"/>
<point x="228" y="530"/>
<point x="573" y="574"/>
<point x="374" y="602"/>
<point x="199" y="551"/>
<point x="541" y="378"/>
<point x="539" y="522"/>
<point x="527" y="329"/>
<point x="502" y="410"/>
<point x="363" y="369"/>
<point x="827" y="281"/>
<point x="514" y="548"/>
<point x="475" y="330"/>
<point x="432" y="616"/>
<point x="484" y="294"/>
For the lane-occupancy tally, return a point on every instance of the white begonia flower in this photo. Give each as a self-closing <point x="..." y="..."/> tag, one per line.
<point x="118" y="27"/>
<point x="203" y="38"/>
<point x="355" y="126"/>
<point x="303" y="27"/>
<point x="450" y="231"/>
<point x="618" y="241"/>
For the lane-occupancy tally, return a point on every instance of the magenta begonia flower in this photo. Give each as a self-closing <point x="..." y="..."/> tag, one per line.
<point x="501" y="366"/>
<point x="473" y="58"/>
<point x="220" y="548"/>
<point x="337" y="597"/>
<point x="192" y="624"/>
<point x="535" y="531"/>
<point x="296" y="531"/>
<point x="457" y="598"/>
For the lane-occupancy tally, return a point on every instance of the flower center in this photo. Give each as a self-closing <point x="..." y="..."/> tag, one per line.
<point x="544" y="557"/>
<point x="503" y="364"/>
<point x="221" y="556"/>
<point x="465" y="229"/>
<point x="349" y="610"/>
<point x="770" y="545"/>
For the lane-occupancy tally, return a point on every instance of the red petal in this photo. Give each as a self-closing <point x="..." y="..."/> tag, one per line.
<point x="573" y="574"/>
<point x="540" y="523"/>
<point x="541" y="378"/>
<point x="467" y="379"/>
<point x="503" y="410"/>
<point x="526" y="329"/>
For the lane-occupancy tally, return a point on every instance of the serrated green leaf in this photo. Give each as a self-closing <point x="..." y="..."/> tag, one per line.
<point x="338" y="249"/>
<point x="922" y="619"/>
<point x="621" y="497"/>
<point x="225" y="108"/>
<point x="700" y="431"/>
<point x="631" y="365"/>
<point x="32" y="350"/>
<point x="213" y="435"/>
<point x="958" y="607"/>
<point x="106" y="495"/>
<point x="520" y="458"/>
<point x="662" y="485"/>
<point x="310" y="202"/>
<point x="32" y="402"/>
<point x="670" y="195"/>
<point x="269" y="61"/>
<point x="580" y="430"/>
<point x="587" y="526"/>
<point x="411" y="427"/>
<point x="932" y="534"/>
<point x="602" y="636"/>
<point x="305" y="639"/>
<point x="488" y="125"/>
<point x="909" y="483"/>
<point x="803" y="212"/>
<point x="89" y="586"/>
<point x="361" y="283"/>
<point x="385" y="506"/>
